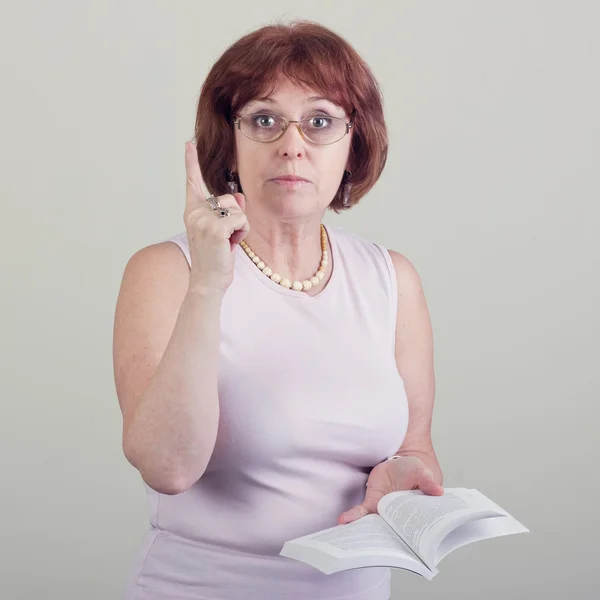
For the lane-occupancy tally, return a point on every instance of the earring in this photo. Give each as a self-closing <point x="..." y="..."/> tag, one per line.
<point x="232" y="181"/>
<point x="347" y="182"/>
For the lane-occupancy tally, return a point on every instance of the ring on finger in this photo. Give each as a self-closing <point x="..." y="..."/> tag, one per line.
<point x="214" y="203"/>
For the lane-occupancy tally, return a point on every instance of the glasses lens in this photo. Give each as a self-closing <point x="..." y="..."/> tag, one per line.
<point x="318" y="129"/>
<point x="262" y="128"/>
<point x="324" y="130"/>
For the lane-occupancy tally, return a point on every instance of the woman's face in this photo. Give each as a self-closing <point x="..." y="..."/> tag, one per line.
<point x="258" y="163"/>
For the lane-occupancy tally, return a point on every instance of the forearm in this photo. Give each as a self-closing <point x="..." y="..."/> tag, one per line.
<point x="171" y="436"/>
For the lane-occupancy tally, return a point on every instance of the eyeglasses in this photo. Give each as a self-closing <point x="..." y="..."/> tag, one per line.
<point x="318" y="129"/>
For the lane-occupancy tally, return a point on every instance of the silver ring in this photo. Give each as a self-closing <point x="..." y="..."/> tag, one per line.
<point x="214" y="203"/>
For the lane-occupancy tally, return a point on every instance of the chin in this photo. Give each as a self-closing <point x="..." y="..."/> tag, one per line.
<point x="294" y="207"/>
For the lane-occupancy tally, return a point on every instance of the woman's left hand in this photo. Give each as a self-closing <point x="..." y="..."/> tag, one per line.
<point x="406" y="473"/>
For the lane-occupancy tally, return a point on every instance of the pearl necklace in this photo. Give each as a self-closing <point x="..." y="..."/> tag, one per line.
<point x="299" y="286"/>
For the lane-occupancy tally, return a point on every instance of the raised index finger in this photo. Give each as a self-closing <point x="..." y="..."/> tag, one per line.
<point x="195" y="188"/>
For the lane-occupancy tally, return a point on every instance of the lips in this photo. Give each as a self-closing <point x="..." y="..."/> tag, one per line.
<point x="289" y="178"/>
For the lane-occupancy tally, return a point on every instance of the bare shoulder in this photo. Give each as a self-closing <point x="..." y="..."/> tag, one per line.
<point x="159" y="256"/>
<point x="155" y="275"/>
<point x="408" y="279"/>
<point x="154" y="284"/>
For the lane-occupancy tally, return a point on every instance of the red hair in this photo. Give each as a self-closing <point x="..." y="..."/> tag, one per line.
<point x="310" y="55"/>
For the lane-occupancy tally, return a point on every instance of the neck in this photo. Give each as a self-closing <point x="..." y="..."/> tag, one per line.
<point x="291" y="249"/>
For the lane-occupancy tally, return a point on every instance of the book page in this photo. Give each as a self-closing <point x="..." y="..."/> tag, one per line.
<point x="422" y="521"/>
<point x="481" y="529"/>
<point x="475" y="531"/>
<point x="368" y="541"/>
<point x="368" y="533"/>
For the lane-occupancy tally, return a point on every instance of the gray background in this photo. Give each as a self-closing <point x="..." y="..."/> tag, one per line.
<point x="491" y="190"/>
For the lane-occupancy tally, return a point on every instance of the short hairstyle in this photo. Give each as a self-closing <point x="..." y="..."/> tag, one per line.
<point x="310" y="55"/>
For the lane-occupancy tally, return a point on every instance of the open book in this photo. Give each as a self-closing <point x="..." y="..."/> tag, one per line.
<point x="412" y="531"/>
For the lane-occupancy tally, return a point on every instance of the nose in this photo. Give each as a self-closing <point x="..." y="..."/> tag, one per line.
<point x="291" y="143"/>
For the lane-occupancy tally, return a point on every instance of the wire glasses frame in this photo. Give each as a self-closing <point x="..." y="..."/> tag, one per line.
<point x="349" y="124"/>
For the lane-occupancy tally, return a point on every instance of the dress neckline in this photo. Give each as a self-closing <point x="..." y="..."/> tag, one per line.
<point x="247" y="261"/>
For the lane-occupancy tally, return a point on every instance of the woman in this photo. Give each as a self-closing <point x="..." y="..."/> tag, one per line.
<point x="266" y="365"/>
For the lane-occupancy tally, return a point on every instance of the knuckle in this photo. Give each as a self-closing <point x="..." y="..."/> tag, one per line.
<point x="191" y="218"/>
<point x="198" y="221"/>
<point x="227" y="201"/>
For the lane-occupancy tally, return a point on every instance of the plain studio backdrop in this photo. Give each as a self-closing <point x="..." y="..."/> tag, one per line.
<point x="491" y="189"/>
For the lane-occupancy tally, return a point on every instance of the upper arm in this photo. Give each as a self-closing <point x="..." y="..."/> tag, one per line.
<point x="153" y="287"/>
<point x="414" y="353"/>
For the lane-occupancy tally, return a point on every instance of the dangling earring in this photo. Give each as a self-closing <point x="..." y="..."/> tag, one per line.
<point x="347" y="183"/>
<point x="232" y="181"/>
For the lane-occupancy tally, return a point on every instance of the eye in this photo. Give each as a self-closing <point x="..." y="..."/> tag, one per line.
<point x="264" y="120"/>
<point x="319" y="122"/>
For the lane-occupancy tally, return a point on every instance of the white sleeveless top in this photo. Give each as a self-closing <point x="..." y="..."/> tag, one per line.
<point x="310" y="400"/>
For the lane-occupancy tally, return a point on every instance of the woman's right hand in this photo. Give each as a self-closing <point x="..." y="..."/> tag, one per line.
<point x="212" y="239"/>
